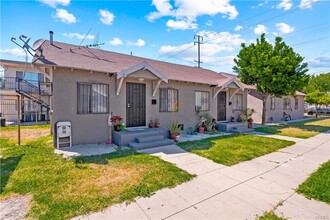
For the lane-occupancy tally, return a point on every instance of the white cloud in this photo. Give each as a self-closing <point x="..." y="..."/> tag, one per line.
<point x="138" y="43"/>
<point x="275" y="33"/>
<point x="209" y="23"/>
<point x="307" y="3"/>
<point x="285" y="4"/>
<point x="260" y="29"/>
<point x="183" y="10"/>
<point x="238" y="28"/>
<point x="54" y="3"/>
<point x="323" y="61"/>
<point x="181" y="24"/>
<point x="284" y="28"/>
<point x="106" y="17"/>
<point x="116" y="41"/>
<point x="78" y="36"/>
<point x="214" y="43"/>
<point x="65" y="16"/>
<point x="16" y="52"/>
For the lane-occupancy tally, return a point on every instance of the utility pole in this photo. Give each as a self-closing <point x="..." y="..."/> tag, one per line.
<point x="199" y="39"/>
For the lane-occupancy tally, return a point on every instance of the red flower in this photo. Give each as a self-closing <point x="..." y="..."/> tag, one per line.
<point x="115" y="119"/>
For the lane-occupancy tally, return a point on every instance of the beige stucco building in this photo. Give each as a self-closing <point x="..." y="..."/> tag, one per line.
<point x="89" y="84"/>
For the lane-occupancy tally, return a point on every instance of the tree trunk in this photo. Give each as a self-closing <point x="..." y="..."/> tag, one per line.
<point x="263" y="117"/>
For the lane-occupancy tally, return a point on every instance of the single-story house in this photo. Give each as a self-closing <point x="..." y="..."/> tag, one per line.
<point x="277" y="109"/>
<point x="89" y="83"/>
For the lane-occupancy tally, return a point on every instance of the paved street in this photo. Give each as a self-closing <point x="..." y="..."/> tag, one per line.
<point x="242" y="191"/>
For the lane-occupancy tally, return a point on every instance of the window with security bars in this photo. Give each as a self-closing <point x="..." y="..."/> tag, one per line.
<point x="202" y="101"/>
<point x="169" y="100"/>
<point x="296" y="103"/>
<point x="238" y="102"/>
<point x="272" y="103"/>
<point x="286" y="103"/>
<point x="92" y="98"/>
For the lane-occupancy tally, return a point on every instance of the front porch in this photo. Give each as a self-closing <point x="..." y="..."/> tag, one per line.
<point x="142" y="138"/>
<point x="234" y="127"/>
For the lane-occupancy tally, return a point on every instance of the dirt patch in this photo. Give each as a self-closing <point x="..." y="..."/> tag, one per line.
<point x="14" y="208"/>
<point x="26" y="134"/>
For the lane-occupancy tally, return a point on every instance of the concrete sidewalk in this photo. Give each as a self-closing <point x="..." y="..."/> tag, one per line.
<point x="242" y="191"/>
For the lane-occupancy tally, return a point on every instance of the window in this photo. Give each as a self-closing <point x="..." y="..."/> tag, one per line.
<point x="296" y="103"/>
<point x="272" y="103"/>
<point x="286" y="103"/>
<point x="169" y="100"/>
<point x="202" y="101"/>
<point x="92" y="98"/>
<point x="238" y="102"/>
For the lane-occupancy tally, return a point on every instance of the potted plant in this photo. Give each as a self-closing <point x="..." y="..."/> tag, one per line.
<point x="151" y="124"/>
<point x="201" y="124"/>
<point x="208" y="121"/>
<point x="116" y="120"/>
<point x="250" y="122"/>
<point x="157" y="123"/>
<point x="232" y="119"/>
<point x="174" y="130"/>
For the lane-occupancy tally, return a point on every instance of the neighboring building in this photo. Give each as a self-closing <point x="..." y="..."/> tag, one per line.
<point x="90" y="83"/>
<point x="21" y="79"/>
<point x="277" y="109"/>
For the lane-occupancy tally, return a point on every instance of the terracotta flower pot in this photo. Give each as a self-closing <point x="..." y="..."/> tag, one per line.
<point x="151" y="125"/>
<point x="201" y="130"/>
<point x="157" y="125"/>
<point x="174" y="136"/>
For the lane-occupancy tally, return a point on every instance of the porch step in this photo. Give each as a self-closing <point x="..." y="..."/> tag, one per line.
<point x="149" y="138"/>
<point x="240" y="130"/>
<point x="145" y="145"/>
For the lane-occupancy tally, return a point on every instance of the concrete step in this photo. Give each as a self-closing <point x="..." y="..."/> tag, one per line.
<point x="149" y="138"/>
<point x="241" y="130"/>
<point x="141" y="146"/>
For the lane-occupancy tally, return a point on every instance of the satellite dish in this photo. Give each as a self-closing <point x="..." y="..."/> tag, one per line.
<point x="37" y="44"/>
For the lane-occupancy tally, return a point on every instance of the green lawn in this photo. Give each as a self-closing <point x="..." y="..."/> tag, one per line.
<point x="304" y="129"/>
<point x="317" y="186"/>
<point x="64" y="188"/>
<point x="270" y="216"/>
<point x="230" y="150"/>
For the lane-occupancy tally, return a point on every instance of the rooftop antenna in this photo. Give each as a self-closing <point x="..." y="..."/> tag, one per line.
<point x="84" y="37"/>
<point x="26" y="47"/>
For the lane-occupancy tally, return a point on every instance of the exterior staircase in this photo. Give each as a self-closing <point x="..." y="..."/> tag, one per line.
<point x="34" y="92"/>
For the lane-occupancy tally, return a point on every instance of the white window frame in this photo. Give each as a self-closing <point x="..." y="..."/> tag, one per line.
<point x="272" y="103"/>
<point x="238" y="102"/>
<point x="286" y="103"/>
<point x="202" y="100"/>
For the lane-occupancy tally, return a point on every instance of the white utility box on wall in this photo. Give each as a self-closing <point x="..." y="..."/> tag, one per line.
<point x="63" y="134"/>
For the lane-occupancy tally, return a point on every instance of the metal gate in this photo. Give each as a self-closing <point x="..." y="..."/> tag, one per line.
<point x="135" y="104"/>
<point x="221" y="106"/>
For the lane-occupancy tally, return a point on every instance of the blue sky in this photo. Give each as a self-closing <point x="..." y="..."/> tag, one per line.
<point x="164" y="30"/>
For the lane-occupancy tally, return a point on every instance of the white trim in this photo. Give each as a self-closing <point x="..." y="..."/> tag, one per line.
<point x="119" y="85"/>
<point x="155" y="87"/>
<point x="233" y="81"/>
<point x="217" y="92"/>
<point x="234" y="94"/>
<point x="141" y="66"/>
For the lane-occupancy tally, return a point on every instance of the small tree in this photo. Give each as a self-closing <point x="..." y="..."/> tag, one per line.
<point x="275" y="70"/>
<point x="318" y="98"/>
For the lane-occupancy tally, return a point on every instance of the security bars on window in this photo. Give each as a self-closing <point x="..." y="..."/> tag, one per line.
<point x="92" y="98"/>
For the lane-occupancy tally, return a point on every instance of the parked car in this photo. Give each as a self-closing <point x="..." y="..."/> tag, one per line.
<point x="323" y="111"/>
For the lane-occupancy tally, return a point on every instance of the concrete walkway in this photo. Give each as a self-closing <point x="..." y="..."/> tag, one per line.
<point x="276" y="136"/>
<point x="242" y="191"/>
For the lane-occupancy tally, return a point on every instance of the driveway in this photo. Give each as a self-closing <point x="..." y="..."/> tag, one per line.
<point x="242" y="191"/>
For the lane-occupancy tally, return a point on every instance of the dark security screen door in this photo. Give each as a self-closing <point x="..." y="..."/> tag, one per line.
<point x="135" y="104"/>
<point x="222" y="106"/>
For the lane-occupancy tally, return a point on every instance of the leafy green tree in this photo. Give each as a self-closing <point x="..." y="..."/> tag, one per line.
<point x="318" y="98"/>
<point x="319" y="82"/>
<point x="275" y="70"/>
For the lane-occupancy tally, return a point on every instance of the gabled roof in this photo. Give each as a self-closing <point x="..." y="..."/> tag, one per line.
<point x="141" y="66"/>
<point x="72" y="56"/>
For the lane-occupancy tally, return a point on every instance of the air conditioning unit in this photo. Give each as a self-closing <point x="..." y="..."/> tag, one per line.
<point x="63" y="134"/>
